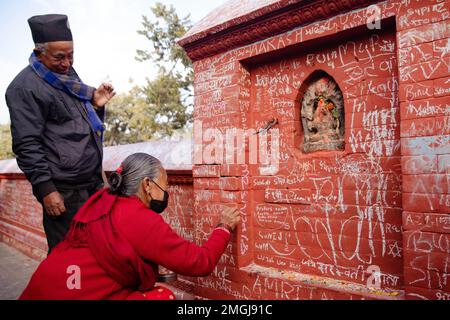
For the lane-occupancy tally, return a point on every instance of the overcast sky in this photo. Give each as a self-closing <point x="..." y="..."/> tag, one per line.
<point x="104" y="32"/>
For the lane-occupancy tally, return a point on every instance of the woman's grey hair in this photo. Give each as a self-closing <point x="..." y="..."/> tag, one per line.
<point x="134" y="169"/>
<point x="41" y="47"/>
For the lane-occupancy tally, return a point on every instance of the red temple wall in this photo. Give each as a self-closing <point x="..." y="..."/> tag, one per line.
<point x="313" y="229"/>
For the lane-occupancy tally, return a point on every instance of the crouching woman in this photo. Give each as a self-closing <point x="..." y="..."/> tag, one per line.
<point x="118" y="239"/>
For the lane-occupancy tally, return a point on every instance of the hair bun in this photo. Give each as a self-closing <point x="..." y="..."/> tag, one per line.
<point x="115" y="182"/>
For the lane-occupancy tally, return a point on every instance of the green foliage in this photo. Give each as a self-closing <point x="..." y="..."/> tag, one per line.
<point x="163" y="105"/>
<point x="5" y="142"/>
<point x="163" y="34"/>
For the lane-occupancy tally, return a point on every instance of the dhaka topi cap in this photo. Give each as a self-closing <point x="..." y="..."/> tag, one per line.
<point x="50" y="28"/>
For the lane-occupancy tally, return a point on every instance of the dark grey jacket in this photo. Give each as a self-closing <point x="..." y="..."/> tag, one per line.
<point x="52" y="138"/>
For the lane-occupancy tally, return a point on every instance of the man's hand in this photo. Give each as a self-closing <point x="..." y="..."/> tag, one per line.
<point x="102" y="95"/>
<point x="230" y="217"/>
<point x="54" y="204"/>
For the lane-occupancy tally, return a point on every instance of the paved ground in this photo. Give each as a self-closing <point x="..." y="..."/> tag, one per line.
<point x="15" y="272"/>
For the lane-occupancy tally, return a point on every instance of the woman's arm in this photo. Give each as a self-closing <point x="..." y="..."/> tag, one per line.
<point x="155" y="241"/>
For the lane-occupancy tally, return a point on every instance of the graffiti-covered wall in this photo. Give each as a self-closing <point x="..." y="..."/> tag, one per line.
<point x="21" y="214"/>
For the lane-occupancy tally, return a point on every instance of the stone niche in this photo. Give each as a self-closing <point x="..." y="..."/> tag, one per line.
<point x="322" y="114"/>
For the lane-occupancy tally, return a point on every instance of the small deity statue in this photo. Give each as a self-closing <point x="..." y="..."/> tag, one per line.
<point x="323" y="116"/>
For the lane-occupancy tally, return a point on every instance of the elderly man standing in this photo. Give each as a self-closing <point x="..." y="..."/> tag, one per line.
<point x="57" y="126"/>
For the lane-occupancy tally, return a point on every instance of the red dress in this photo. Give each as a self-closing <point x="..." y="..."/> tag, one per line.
<point x="153" y="240"/>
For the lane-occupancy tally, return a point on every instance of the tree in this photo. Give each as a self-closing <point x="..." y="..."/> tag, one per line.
<point x="131" y="119"/>
<point x="170" y="94"/>
<point x="6" y="142"/>
<point x="163" y="105"/>
<point x="120" y="110"/>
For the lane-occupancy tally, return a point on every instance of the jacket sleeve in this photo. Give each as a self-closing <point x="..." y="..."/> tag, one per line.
<point x="100" y="113"/>
<point x="27" y="125"/>
<point x="155" y="241"/>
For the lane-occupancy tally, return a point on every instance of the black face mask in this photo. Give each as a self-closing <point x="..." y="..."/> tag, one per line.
<point x="160" y="205"/>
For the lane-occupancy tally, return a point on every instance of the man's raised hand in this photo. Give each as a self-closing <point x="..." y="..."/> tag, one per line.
<point x="103" y="94"/>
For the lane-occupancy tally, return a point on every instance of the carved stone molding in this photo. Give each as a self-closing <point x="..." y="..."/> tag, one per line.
<point x="176" y="177"/>
<point x="180" y="179"/>
<point x="219" y="39"/>
<point x="12" y="176"/>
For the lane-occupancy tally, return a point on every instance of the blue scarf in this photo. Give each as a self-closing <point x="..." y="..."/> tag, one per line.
<point x="72" y="85"/>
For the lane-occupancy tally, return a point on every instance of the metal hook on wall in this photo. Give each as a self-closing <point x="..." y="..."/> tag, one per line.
<point x="270" y="124"/>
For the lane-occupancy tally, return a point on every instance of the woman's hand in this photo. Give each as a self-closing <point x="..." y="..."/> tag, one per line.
<point x="102" y="95"/>
<point x="230" y="217"/>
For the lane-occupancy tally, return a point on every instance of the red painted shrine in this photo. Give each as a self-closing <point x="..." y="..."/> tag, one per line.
<point x="359" y="204"/>
<point x="354" y="96"/>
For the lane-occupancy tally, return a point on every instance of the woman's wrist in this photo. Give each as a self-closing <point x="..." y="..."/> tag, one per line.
<point x="224" y="226"/>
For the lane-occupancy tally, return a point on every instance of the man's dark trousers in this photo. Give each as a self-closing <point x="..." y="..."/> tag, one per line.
<point x="56" y="228"/>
